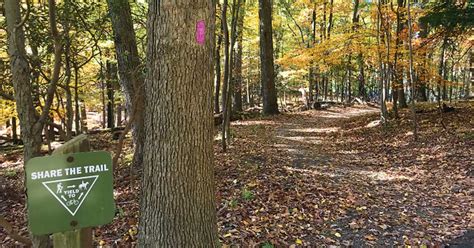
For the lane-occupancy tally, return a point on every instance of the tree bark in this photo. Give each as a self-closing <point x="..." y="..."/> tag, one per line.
<point x="411" y="76"/>
<point x="331" y="10"/>
<point x="238" y="78"/>
<point x="267" y="77"/>
<point x="226" y="85"/>
<point x="217" y="88"/>
<point x="14" y="131"/>
<point x="83" y="117"/>
<point x="68" y="70"/>
<point x="441" y="69"/>
<point x="360" y="57"/>
<point x="110" y="85"/>
<point x="178" y="201"/>
<point x="21" y="81"/>
<point x="67" y="84"/>
<point x="382" y="84"/>
<point x="130" y="71"/>
<point x="422" y="84"/>
<point x="469" y="82"/>
<point x="31" y="122"/>
<point x="77" y="110"/>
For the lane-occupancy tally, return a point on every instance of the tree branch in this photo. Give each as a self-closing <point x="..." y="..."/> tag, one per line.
<point x="27" y="15"/>
<point x="6" y="96"/>
<point x="57" y="63"/>
<point x="12" y="233"/>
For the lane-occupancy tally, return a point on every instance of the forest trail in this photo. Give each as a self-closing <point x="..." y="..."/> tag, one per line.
<point x="333" y="177"/>
<point x="316" y="179"/>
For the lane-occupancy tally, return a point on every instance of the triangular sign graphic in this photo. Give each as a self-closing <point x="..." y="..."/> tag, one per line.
<point x="71" y="192"/>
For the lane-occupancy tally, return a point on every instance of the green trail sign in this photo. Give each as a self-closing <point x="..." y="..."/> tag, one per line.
<point x="69" y="192"/>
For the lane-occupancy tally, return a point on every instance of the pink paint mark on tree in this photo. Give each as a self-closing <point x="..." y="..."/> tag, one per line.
<point x="201" y="32"/>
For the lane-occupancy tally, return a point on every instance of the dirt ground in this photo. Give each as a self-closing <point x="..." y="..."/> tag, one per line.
<point x="317" y="179"/>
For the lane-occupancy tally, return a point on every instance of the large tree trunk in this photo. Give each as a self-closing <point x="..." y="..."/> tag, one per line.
<point x="30" y="131"/>
<point x="21" y="81"/>
<point x="267" y="77"/>
<point x="178" y="201"/>
<point x="130" y="71"/>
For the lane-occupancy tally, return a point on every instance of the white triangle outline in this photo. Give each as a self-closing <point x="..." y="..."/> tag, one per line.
<point x="70" y="179"/>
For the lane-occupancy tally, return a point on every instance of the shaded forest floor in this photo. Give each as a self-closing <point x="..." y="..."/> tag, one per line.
<point x="319" y="178"/>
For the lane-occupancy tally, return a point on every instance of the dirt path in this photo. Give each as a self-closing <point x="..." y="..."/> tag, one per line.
<point x="317" y="179"/>
<point x="329" y="178"/>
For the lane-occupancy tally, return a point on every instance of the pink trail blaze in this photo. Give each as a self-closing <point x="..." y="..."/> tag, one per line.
<point x="201" y="32"/>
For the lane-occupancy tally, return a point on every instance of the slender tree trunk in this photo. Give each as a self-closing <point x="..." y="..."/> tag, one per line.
<point x="402" y="97"/>
<point x="14" y="131"/>
<point x="119" y="115"/>
<point x="422" y="82"/>
<point x="382" y="92"/>
<point x="226" y="84"/>
<point x="469" y="82"/>
<point x="412" y="81"/>
<point x="83" y="116"/>
<point x="330" y="24"/>
<point x="130" y="70"/>
<point x="110" y="84"/>
<point x="441" y="70"/>
<point x="397" y="84"/>
<point x="400" y="26"/>
<point x="349" y="79"/>
<point x="77" y="111"/>
<point x="104" y="102"/>
<point x="67" y="89"/>
<point x="311" y="70"/>
<point x="267" y="77"/>
<point x="238" y="60"/>
<point x="230" y="88"/>
<point x="218" y="72"/>
<point x="68" y="71"/>
<point x="178" y="200"/>
<point x="360" y="58"/>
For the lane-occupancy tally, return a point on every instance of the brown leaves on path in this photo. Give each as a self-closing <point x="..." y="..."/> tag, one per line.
<point x="333" y="178"/>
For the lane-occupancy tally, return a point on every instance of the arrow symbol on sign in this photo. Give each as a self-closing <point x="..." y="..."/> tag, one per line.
<point x="72" y="199"/>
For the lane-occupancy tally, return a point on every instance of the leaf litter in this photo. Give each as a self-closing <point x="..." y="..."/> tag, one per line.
<point x="314" y="178"/>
